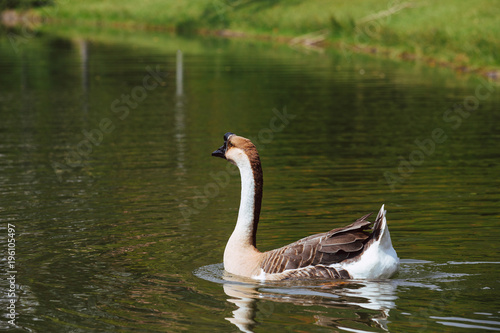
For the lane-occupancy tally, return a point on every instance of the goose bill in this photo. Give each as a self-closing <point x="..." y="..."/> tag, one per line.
<point x="221" y="152"/>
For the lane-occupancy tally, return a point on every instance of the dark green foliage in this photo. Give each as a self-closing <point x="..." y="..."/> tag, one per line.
<point x="187" y="26"/>
<point x="4" y="4"/>
<point x="335" y="24"/>
<point x="339" y="27"/>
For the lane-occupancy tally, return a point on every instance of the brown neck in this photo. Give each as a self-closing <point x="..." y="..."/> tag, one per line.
<point x="258" y="183"/>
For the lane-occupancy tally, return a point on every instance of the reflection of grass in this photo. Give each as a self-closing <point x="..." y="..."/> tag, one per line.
<point x="462" y="32"/>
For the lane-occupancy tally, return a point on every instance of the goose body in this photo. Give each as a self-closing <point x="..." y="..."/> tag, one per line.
<point x="361" y="250"/>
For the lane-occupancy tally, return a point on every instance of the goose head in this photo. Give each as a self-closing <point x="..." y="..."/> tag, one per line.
<point x="236" y="149"/>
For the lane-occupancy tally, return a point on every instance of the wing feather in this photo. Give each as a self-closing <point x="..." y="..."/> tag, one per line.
<point x="351" y="247"/>
<point x="319" y="251"/>
<point x="319" y="271"/>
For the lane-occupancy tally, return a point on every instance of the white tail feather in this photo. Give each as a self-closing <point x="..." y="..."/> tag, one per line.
<point x="379" y="259"/>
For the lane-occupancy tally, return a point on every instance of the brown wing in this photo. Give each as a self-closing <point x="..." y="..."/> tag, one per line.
<point x="319" y="250"/>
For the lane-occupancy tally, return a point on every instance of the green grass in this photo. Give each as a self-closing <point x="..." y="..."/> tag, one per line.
<point x="458" y="32"/>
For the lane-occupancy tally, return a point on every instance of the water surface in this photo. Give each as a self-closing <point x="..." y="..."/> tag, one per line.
<point x="121" y="215"/>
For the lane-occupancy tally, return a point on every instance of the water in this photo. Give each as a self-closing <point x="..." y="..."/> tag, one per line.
<point x="121" y="215"/>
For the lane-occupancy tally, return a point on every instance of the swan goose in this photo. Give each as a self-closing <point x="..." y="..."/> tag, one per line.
<point x="357" y="251"/>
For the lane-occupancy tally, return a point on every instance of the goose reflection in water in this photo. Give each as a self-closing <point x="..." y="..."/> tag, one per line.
<point x="346" y="296"/>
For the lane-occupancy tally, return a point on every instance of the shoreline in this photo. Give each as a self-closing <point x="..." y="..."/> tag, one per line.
<point x="316" y="41"/>
<point x="492" y="73"/>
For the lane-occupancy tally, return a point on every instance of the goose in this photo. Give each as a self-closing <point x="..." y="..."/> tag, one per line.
<point x="358" y="251"/>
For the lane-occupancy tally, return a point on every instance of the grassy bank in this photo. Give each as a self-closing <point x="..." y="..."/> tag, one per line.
<point x="461" y="34"/>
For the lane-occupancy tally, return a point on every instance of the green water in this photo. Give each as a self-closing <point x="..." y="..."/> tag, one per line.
<point x="120" y="215"/>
